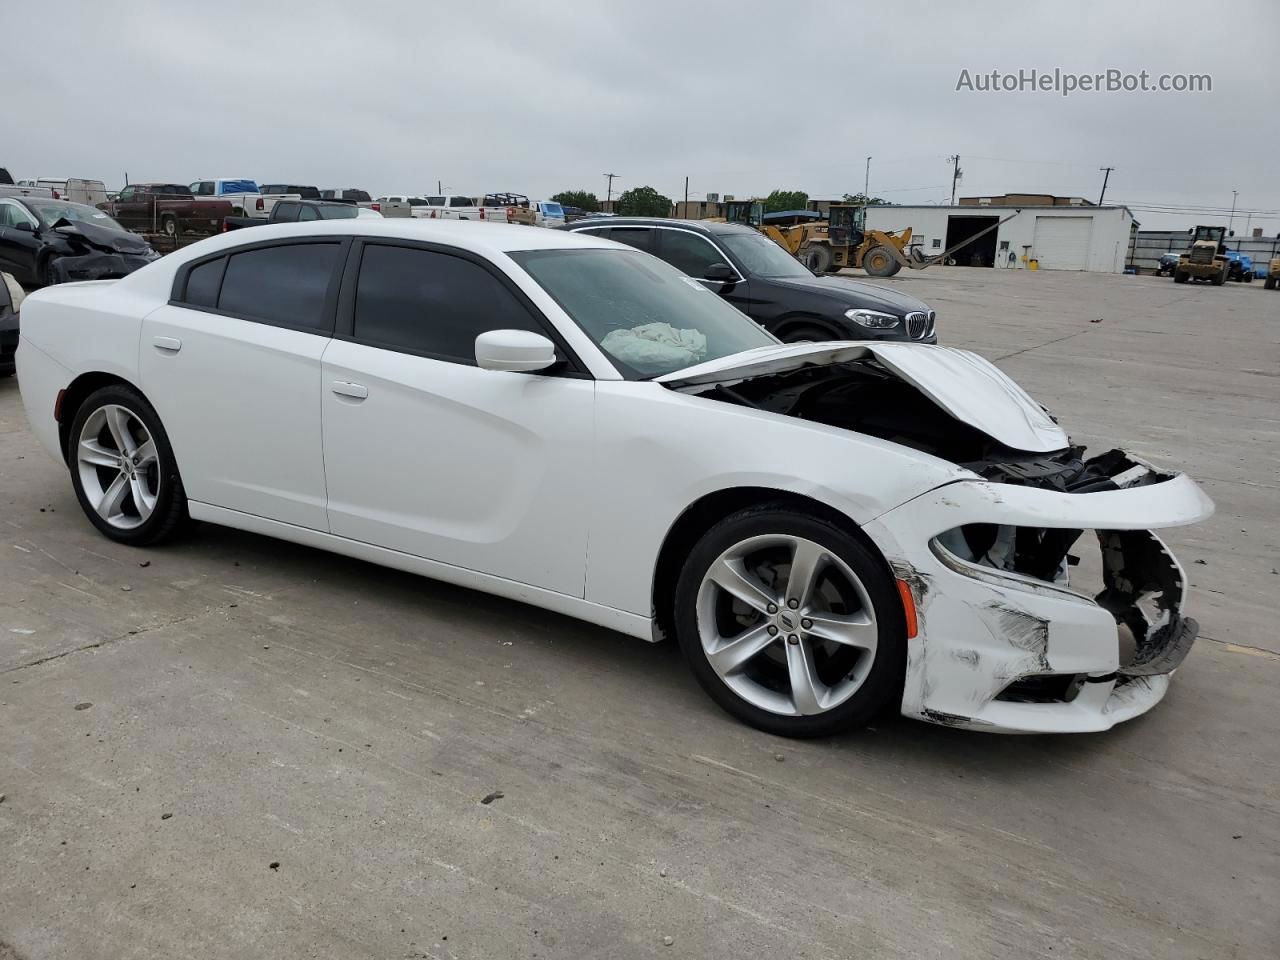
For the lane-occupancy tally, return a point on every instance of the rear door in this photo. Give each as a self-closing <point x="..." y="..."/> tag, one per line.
<point x="232" y="365"/>
<point x="429" y="455"/>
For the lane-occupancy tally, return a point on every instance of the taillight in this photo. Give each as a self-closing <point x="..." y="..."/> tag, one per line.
<point x="482" y="213"/>
<point x="226" y="227"/>
<point x="377" y="208"/>
<point x="511" y="213"/>
<point x="55" y="194"/>
<point x="260" y="204"/>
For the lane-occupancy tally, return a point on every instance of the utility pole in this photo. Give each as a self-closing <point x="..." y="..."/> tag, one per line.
<point x="686" y="198"/>
<point x="956" y="174"/>
<point x="1231" y="219"/>
<point x="439" y="188"/>
<point x="866" y="183"/>
<point x="1106" y="175"/>
<point x="608" y="196"/>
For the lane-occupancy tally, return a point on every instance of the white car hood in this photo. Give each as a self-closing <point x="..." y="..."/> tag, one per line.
<point x="970" y="388"/>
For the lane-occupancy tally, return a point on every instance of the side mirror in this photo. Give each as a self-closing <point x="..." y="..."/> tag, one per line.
<point x="24" y="226"/>
<point x="517" y="351"/>
<point x="720" y="273"/>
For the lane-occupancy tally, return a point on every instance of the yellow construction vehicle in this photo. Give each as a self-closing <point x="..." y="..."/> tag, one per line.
<point x="843" y="240"/>
<point x="1206" y="259"/>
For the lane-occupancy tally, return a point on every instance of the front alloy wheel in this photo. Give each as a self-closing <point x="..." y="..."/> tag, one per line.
<point x="793" y="625"/>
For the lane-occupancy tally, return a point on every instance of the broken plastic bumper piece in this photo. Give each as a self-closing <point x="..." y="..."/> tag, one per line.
<point x="1012" y="635"/>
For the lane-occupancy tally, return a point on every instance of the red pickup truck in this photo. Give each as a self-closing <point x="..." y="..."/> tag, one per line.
<point x="167" y="208"/>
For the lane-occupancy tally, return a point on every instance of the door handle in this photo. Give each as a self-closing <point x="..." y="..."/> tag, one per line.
<point x="345" y="388"/>
<point x="167" y="344"/>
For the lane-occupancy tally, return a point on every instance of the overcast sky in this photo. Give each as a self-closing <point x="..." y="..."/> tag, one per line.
<point x="742" y="97"/>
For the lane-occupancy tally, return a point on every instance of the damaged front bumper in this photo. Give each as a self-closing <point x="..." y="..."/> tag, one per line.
<point x="99" y="265"/>
<point x="1003" y="651"/>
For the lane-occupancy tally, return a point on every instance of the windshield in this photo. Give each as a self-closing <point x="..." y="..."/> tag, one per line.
<point x="646" y="315"/>
<point x="51" y="211"/>
<point x="761" y="256"/>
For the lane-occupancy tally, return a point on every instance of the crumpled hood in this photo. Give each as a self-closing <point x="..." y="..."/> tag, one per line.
<point x="970" y="388"/>
<point x="856" y="293"/>
<point x="104" y="238"/>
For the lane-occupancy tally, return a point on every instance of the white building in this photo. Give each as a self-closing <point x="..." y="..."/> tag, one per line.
<point x="1059" y="237"/>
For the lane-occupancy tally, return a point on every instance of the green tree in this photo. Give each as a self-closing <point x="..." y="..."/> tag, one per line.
<point x="582" y="199"/>
<point x="785" y="200"/>
<point x="644" y="202"/>
<point x="863" y="199"/>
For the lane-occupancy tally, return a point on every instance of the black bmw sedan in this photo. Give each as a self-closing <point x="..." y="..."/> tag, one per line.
<point x="769" y="285"/>
<point x="44" y="241"/>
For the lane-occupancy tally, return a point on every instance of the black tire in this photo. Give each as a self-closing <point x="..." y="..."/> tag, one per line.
<point x="1247" y="277"/>
<point x="808" y="333"/>
<point x="881" y="689"/>
<point x="168" y="224"/>
<point x="1269" y="283"/>
<point x="879" y="261"/>
<point x="170" y="512"/>
<point x="1181" y="276"/>
<point x="817" y="257"/>
<point x="1219" y="280"/>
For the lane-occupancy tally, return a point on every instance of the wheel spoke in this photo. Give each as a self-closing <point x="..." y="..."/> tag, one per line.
<point x="806" y="562"/>
<point x="855" y="630"/>
<point x="145" y="454"/>
<point x="806" y="689"/>
<point x="92" y="452"/>
<point x="109" y="504"/>
<point x="732" y="577"/>
<point x="143" y="501"/>
<point x="732" y="654"/>
<point x="118" y="424"/>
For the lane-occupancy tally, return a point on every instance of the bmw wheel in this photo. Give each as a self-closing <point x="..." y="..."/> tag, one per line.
<point x="791" y="623"/>
<point x="123" y="469"/>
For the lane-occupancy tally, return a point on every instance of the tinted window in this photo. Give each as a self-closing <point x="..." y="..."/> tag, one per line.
<point x="433" y="303"/>
<point x="639" y="237"/>
<point x="284" y="210"/>
<point x="284" y="285"/>
<point x="308" y="213"/>
<point x="203" y="282"/>
<point x="688" y="252"/>
<point x="202" y="189"/>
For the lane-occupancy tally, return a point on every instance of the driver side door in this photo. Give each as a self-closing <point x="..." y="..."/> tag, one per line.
<point x="19" y="245"/>
<point x="429" y="455"/>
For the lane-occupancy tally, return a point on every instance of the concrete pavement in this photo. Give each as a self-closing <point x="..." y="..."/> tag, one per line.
<point x="250" y="749"/>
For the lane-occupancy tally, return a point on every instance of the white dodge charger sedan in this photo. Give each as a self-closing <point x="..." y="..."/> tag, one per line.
<point x="827" y="529"/>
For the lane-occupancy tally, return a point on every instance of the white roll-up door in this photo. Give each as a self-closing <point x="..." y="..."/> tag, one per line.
<point x="1062" y="243"/>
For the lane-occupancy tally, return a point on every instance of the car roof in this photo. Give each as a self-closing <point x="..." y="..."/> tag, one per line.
<point x="700" y="226"/>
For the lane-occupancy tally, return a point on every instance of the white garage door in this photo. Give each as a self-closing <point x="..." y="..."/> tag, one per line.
<point x="1062" y="243"/>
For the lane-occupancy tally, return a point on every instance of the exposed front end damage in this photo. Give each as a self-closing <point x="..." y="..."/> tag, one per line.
<point x="1044" y="601"/>
<point x="96" y="253"/>
<point x="1028" y="624"/>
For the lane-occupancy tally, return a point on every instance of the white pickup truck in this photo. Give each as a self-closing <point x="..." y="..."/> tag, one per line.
<point x="492" y="207"/>
<point x="245" y="197"/>
<point x="10" y="189"/>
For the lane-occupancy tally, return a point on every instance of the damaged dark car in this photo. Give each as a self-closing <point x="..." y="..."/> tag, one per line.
<point x="45" y="241"/>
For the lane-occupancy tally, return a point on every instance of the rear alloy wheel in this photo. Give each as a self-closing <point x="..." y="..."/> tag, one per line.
<point x="880" y="262"/>
<point x="122" y="468"/>
<point x="790" y="623"/>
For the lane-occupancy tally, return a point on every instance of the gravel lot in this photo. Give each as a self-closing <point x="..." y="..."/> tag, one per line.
<point x="234" y="747"/>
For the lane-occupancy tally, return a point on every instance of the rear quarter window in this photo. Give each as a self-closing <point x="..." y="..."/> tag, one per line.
<point x="285" y="285"/>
